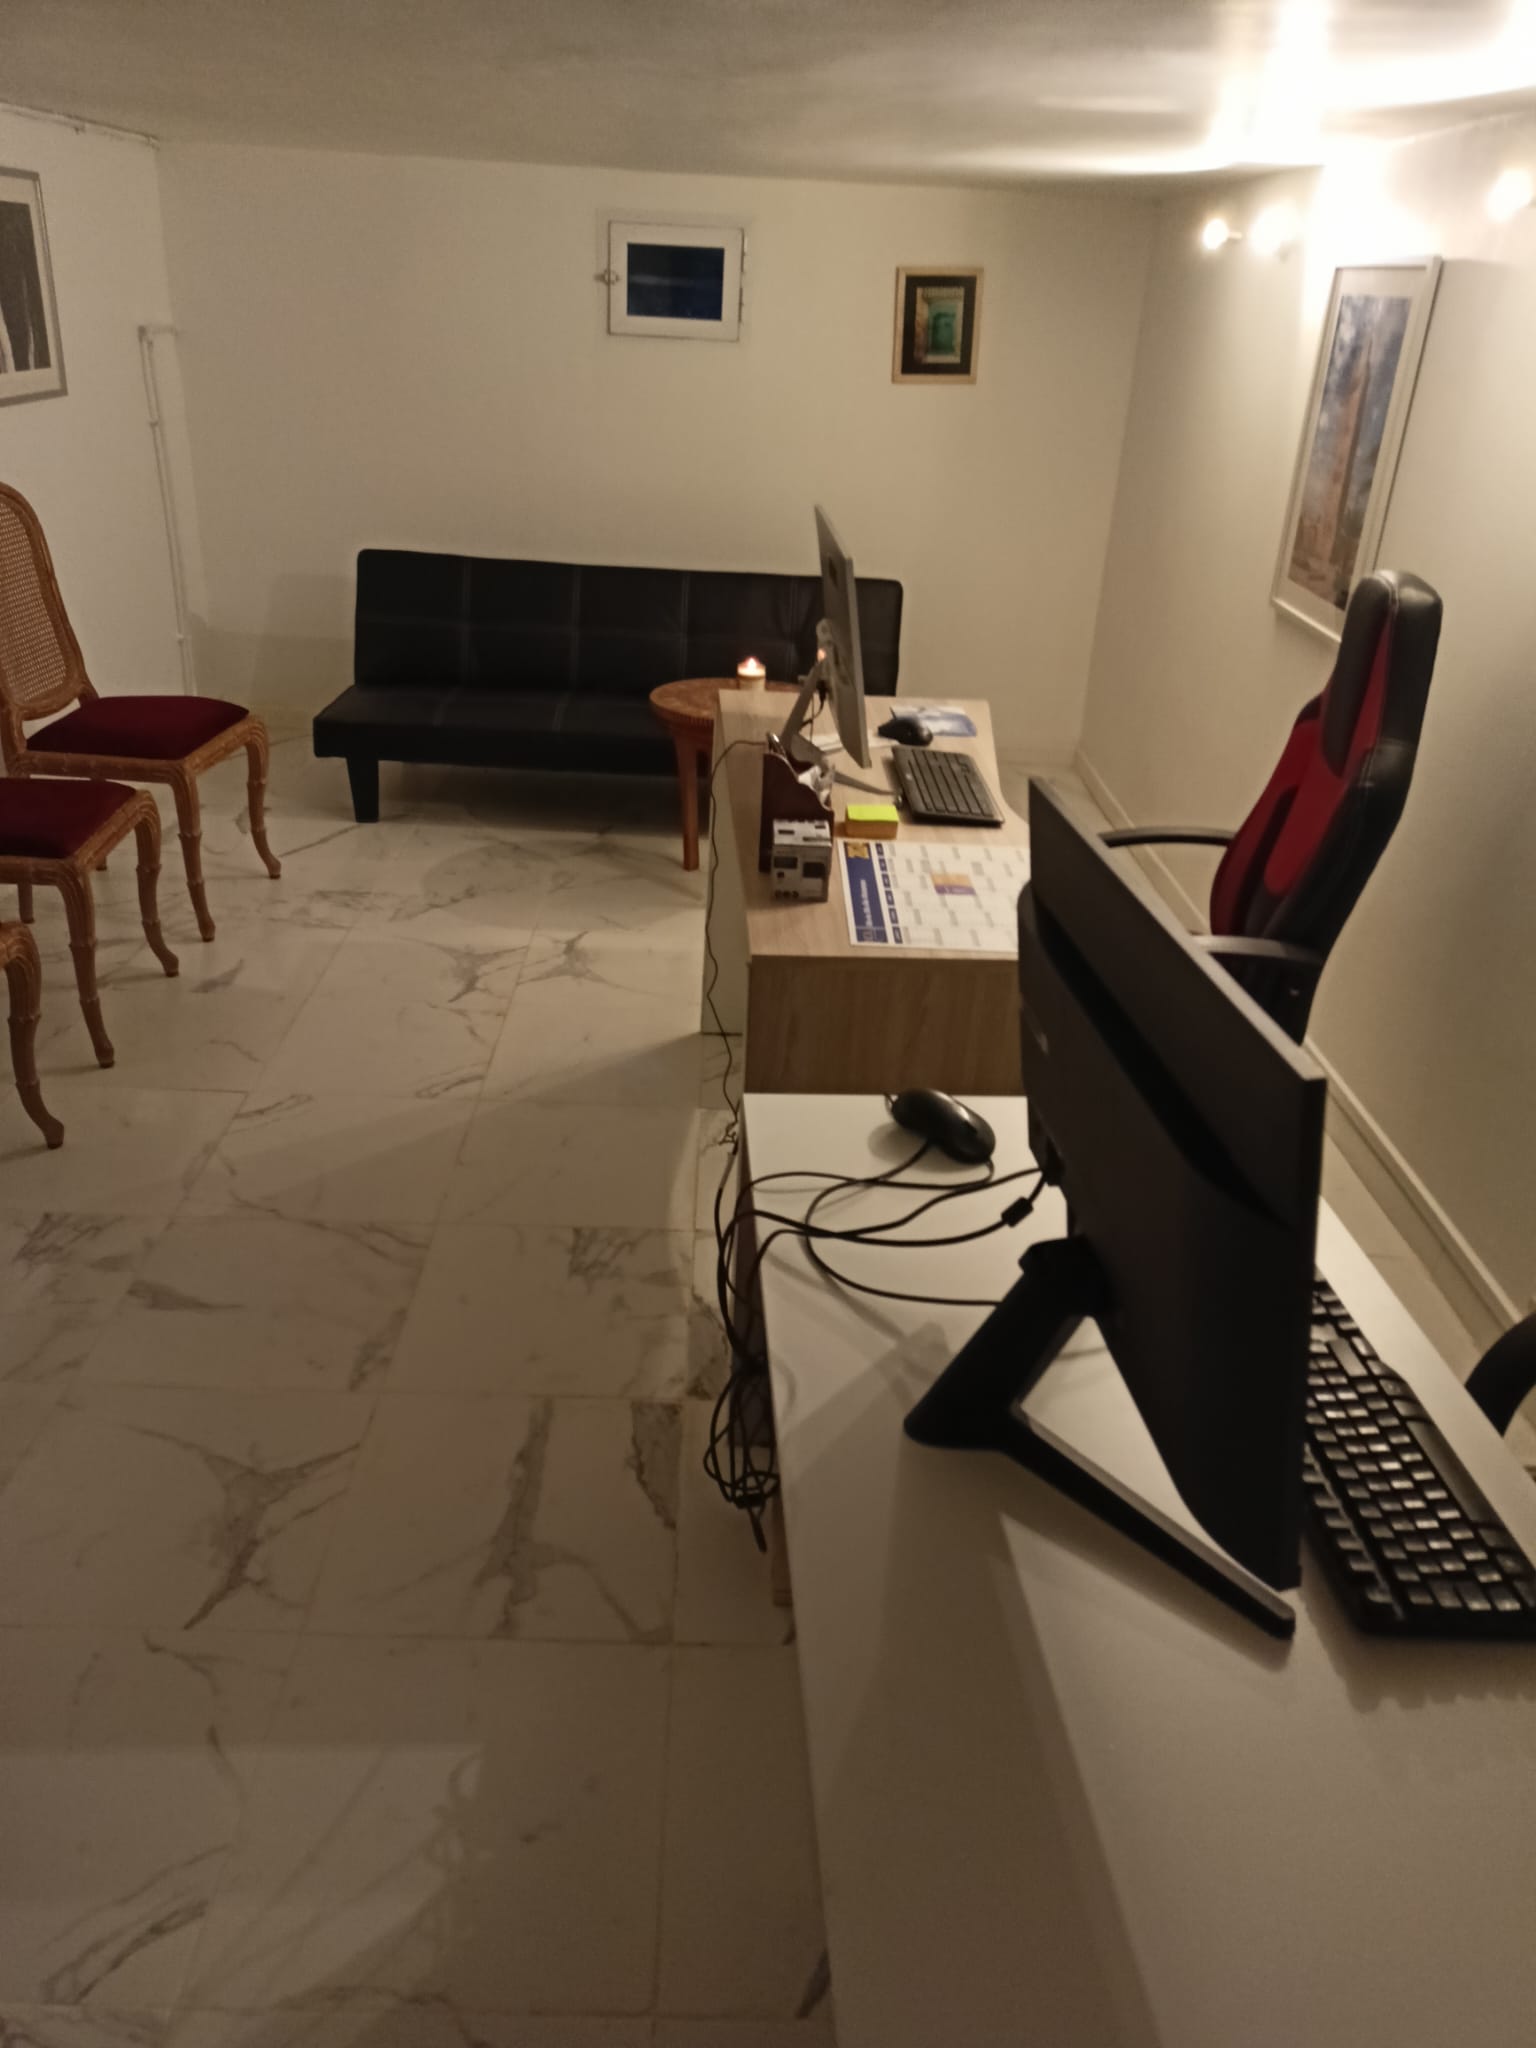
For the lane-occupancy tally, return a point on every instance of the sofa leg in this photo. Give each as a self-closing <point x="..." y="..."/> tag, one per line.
<point x="364" y="778"/>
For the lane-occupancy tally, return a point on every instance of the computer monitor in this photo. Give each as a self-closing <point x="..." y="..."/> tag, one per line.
<point x="838" y="668"/>
<point x="837" y="638"/>
<point x="1185" y="1130"/>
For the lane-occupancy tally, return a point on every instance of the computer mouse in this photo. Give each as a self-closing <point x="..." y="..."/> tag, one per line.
<point x="907" y="732"/>
<point x="957" y="1131"/>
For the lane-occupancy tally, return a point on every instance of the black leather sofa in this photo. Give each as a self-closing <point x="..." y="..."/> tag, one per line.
<point x="469" y="661"/>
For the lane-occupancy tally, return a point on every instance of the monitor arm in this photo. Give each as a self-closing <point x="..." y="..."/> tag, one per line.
<point x="1167" y="835"/>
<point x="793" y="741"/>
<point x="1506" y="1374"/>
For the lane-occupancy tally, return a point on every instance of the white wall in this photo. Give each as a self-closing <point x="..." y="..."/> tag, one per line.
<point x="408" y="352"/>
<point x="1427" y="1009"/>
<point x="85" y="459"/>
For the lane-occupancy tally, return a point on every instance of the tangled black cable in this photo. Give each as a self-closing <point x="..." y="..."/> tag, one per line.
<point x="741" y="1457"/>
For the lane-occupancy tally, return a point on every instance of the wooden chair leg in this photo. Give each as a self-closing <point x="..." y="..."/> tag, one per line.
<point x="80" y="912"/>
<point x="24" y="901"/>
<point x="24" y="976"/>
<point x="147" y="832"/>
<point x="189" y="821"/>
<point x="256" y="756"/>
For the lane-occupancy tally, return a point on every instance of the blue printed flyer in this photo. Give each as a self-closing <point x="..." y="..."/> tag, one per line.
<point x="943" y="898"/>
<point x="944" y="721"/>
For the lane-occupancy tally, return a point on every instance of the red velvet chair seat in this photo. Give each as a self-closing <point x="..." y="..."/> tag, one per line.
<point x="43" y="819"/>
<point x="137" y="728"/>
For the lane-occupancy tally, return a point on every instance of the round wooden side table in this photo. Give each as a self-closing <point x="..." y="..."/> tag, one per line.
<point x="687" y="710"/>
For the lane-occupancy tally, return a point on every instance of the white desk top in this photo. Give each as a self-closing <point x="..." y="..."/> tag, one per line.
<point x="1066" y="1800"/>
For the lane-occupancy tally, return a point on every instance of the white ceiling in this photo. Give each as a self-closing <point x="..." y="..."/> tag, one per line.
<point x="951" y="90"/>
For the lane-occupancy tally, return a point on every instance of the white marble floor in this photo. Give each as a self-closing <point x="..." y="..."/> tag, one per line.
<point x="377" y="1667"/>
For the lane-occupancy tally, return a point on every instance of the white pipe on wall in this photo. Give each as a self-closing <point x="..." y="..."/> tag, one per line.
<point x="147" y="337"/>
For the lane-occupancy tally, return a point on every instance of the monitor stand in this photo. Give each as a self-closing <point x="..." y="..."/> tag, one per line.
<point x="793" y="740"/>
<point x="975" y="1403"/>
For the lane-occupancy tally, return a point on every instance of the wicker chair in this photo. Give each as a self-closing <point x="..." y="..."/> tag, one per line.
<point x="59" y="833"/>
<point x="137" y="739"/>
<point x="24" y="976"/>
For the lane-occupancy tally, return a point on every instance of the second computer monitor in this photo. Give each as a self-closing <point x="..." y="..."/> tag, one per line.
<point x="838" y="638"/>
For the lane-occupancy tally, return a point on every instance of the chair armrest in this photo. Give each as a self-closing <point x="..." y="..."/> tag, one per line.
<point x="1233" y="948"/>
<point x="1167" y="835"/>
<point x="1505" y="1374"/>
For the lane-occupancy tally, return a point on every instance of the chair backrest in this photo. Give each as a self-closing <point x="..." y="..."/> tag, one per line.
<point x="1297" y="865"/>
<point x="41" y="670"/>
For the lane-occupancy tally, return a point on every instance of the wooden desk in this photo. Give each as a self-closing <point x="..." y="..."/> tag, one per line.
<point x="821" y="1014"/>
<point x="1063" y="1798"/>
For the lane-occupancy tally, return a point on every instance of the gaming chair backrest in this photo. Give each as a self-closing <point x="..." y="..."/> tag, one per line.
<point x="1295" y="869"/>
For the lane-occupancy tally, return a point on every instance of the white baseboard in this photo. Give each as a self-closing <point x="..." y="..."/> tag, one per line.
<point x="1475" y="1294"/>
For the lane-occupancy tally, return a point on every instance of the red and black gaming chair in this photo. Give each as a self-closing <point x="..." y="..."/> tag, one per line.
<point x="1293" y="871"/>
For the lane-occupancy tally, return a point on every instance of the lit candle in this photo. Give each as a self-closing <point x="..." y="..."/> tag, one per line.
<point x="750" y="673"/>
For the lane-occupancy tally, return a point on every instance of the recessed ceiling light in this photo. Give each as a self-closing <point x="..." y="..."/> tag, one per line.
<point x="1216" y="234"/>
<point x="1511" y="194"/>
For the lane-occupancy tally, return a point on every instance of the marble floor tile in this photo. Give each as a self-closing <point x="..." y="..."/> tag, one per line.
<point x="508" y="1310"/>
<point x="495" y="1515"/>
<point x="718" y="1152"/>
<point x="23" y="1413"/>
<point x="360" y="1158"/>
<point x="342" y="1045"/>
<point x="741" y="1936"/>
<point x="46" y="1347"/>
<point x="601" y="1023"/>
<point x="472" y="1822"/>
<point x="815" y="2032"/>
<point x="126" y="1152"/>
<point x="723" y="1593"/>
<point x="575" y="1164"/>
<point x="407" y="2022"/>
<point x="449" y="877"/>
<point x="709" y="1355"/>
<point x="125" y="1763"/>
<point x="80" y="2026"/>
<point x="468" y="967"/>
<point x="636" y="884"/>
<point x="721" y="1069"/>
<point x="217" y="1025"/>
<point x="81" y="1262"/>
<point x="254" y="1300"/>
<point x="169" y="1508"/>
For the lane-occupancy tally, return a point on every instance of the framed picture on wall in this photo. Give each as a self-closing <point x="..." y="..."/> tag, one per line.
<point x="676" y="282"/>
<point x="31" y="363"/>
<point x="938" y="326"/>
<point x="1367" y="362"/>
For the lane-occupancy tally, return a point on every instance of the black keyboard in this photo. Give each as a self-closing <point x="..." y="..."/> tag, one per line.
<point x="944" y="789"/>
<point x="1399" y="1524"/>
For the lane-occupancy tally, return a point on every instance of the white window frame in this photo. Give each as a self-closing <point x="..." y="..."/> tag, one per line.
<point x="731" y="241"/>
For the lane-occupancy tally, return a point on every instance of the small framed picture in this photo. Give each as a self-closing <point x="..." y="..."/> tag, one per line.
<point x="31" y="364"/>
<point x="680" y="283"/>
<point x="1362" y="388"/>
<point x="938" y="325"/>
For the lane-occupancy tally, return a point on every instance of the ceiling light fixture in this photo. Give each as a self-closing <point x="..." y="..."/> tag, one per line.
<point x="1216" y="234"/>
<point x="1275" y="230"/>
<point x="1510" y="194"/>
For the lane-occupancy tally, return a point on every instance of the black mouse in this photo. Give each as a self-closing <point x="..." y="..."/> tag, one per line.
<point x="957" y="1131"/>
<point x="907" y="732"/>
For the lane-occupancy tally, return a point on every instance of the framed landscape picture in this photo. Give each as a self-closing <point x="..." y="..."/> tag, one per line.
<point x="1367" y="362"/>
<point x="938" y="325"/>
<point x="31" y="365"/>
